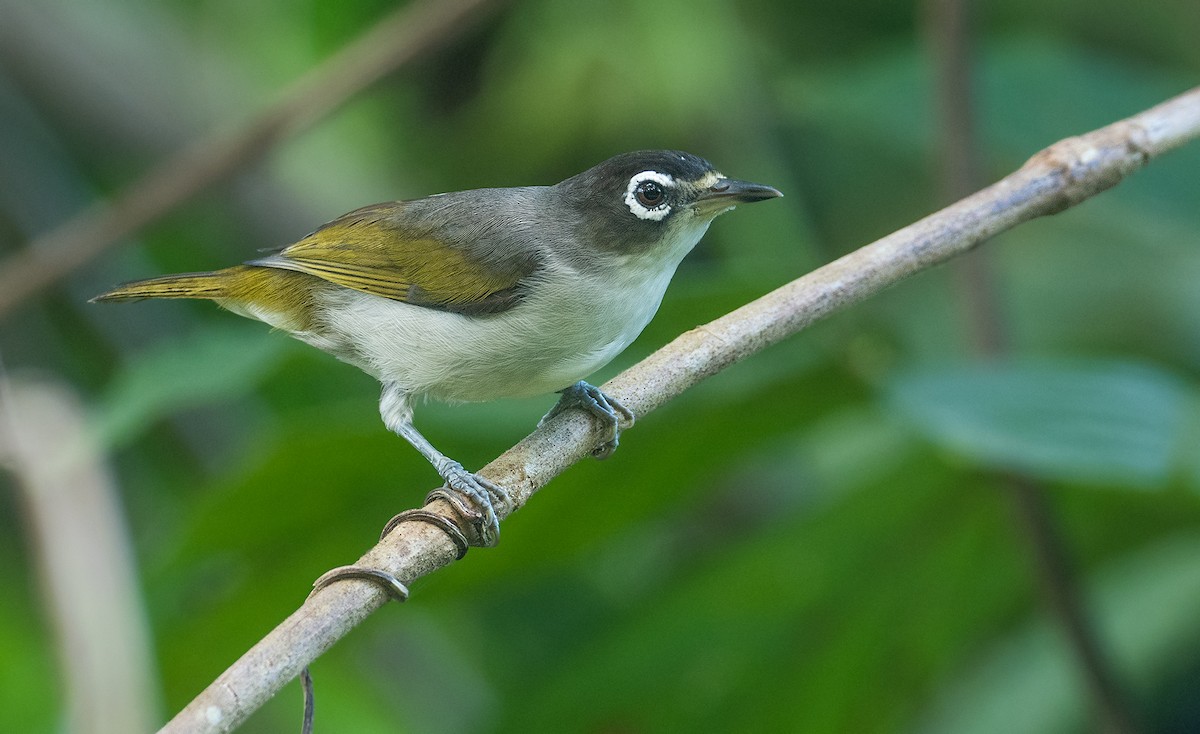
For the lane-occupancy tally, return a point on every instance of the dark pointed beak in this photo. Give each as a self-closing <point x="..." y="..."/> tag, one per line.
<point x="727" y="193"/>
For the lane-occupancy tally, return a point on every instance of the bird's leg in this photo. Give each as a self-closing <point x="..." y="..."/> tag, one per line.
<point x="594" y="401"/>
<point x="481" y="494"/>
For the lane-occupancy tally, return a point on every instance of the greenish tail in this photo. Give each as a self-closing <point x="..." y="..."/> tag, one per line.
<point x="184" y="285"/>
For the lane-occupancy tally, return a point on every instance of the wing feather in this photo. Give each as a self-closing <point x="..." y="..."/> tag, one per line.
<point x="378" y="250"/>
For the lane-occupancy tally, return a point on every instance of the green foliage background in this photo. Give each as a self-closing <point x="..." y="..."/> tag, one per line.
<point x="817" y="540"/>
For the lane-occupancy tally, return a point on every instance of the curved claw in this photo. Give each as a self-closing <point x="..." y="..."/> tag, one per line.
<point x="481" y="496"/>
<point x="384" y="580"/>
<point x="603" y="406"/>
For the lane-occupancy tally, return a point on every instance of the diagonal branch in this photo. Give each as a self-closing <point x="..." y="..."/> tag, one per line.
<point x="1056" y="178"/>
<point x="400" y="38"/>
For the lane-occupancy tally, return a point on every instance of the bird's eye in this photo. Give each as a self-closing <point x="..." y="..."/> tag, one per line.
<point x="649" y="194"/>
<point x="646" y="195"/>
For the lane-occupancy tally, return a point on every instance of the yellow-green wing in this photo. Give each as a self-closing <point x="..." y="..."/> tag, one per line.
<point x="373" y="251"/>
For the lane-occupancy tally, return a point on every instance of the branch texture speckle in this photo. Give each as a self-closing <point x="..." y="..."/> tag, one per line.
<point x="1056" y="178"/>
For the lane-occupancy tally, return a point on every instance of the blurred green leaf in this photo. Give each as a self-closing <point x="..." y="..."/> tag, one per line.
<point x="212" y="363"/>
<point x="34" y="668"/>
<point x="762" y="630"/>
<point x="1097" y="421"/>
<point x="1144" y="608"/>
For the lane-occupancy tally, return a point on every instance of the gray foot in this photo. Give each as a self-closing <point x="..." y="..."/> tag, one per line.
<point x="604" y="407"/>
<point x="479" y="498"/>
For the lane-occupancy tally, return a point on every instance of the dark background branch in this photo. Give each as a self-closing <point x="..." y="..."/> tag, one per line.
<point x="950" y="35"/>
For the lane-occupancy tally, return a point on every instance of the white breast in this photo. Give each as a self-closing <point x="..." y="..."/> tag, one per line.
<point x="569" y="326"/>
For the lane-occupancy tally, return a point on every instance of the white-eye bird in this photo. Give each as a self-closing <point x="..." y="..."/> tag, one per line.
<point x="483" y="294"/>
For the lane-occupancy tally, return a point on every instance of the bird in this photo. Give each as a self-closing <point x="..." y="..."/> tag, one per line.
<point x="483" y="294"/>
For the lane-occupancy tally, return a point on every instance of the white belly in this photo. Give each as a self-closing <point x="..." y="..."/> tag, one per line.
<point x="566" y="329"/>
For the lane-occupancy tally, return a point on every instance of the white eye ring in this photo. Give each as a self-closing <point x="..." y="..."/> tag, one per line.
<point x="641" y="212"/>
